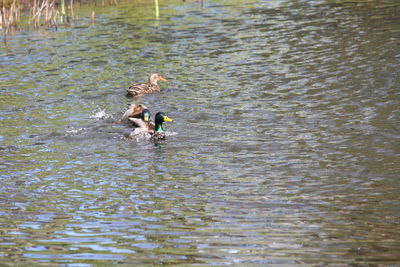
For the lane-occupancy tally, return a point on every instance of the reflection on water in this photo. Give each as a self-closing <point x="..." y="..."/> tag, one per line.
<point x="287" y="152"/>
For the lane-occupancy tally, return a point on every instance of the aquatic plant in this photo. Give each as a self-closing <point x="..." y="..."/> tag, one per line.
<point x="9" y="15"/>
<point x="47" y="13"/>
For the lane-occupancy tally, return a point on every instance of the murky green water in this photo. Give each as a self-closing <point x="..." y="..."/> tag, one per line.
<point x="287" y="153"/>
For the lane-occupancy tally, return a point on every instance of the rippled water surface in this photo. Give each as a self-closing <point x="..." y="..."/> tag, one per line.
<point x="287" y="153"/>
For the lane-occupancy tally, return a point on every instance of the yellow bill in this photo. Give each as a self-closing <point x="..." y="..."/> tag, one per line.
<point x="166" y="118"/>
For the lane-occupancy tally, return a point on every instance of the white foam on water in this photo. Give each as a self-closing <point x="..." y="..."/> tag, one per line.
<point x="100" y="114"/>
<point x="167" y="133"/>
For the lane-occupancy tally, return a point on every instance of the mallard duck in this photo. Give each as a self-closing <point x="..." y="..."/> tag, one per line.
<point x="144" y="131"/>
<point x="139" y="89"/>
<point x="134" y="111"/>
<point x="159" y="129"/>
<point x="144" y="122"/>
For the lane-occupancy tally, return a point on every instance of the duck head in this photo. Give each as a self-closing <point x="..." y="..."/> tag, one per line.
<point x="145" y="115"/>
<point x="153" y="78"/>
<point x="159" y="119"/>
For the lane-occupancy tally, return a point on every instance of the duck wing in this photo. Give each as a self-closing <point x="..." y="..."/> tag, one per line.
<point x="133" y="111"/>
<point x="139" y="123"/>
<point x="139" y="89"/>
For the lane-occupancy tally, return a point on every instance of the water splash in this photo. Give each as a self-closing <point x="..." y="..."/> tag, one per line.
<point x="101" y="114"/>
<point x="167" y="133"/>
<point x="75" y="131"/>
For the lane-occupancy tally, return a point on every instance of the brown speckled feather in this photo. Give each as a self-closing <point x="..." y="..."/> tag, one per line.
<point x="158" y="136"/>
<point x="151" y="86"/>
<point x="142" y="89"/>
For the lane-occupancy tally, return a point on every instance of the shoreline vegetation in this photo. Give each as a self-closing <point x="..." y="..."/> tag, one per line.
<point x="41" y="13"/>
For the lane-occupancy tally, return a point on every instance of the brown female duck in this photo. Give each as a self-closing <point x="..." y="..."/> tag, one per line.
<point x="139" y="89"/>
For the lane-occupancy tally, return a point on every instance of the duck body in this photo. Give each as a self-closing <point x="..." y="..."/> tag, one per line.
<point x="143" y="124"/>
<point x="158" y="136"/>
<point x="140" y="134"/>
<point x="151" y="86"/>
<point x="146" y="131"/>
<point x="134" y="111"/>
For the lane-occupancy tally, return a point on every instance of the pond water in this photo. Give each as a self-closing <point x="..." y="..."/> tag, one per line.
<point x="288" y="145"/>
